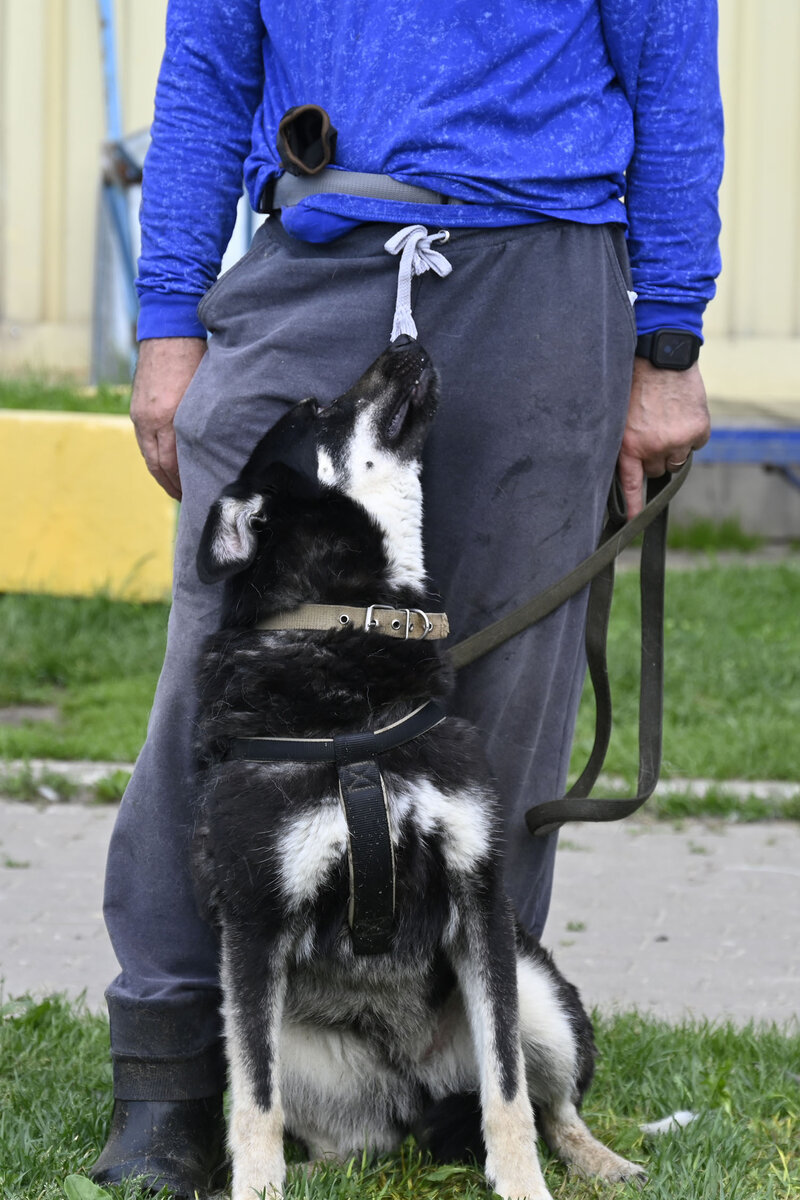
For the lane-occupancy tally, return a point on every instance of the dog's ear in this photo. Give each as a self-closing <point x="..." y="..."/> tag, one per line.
<point x="284" y="462"/>
<point x="229" y="540"/>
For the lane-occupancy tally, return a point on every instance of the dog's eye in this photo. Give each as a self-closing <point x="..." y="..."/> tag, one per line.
<point x="257" y="521"/>
<point x="369" y="465"/>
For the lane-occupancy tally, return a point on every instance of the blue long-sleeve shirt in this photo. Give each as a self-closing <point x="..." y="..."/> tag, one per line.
<point x="528" y="109"/>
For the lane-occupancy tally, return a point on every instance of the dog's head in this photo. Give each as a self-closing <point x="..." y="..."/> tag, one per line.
<point x="363" y="449"/>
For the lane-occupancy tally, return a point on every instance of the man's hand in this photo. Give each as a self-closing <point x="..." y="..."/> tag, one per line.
<point x="667" y="418"/>
<point x="163" y="373"/>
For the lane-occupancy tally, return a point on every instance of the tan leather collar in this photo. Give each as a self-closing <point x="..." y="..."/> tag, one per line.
<point x="377" y="618"/>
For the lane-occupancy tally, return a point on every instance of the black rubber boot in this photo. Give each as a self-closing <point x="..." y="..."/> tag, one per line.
<point x="178" y="1144"/>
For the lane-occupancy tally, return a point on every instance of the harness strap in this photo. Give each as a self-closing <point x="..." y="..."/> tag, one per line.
<point x="370" y="856"/>
<point x="362" y="793"/>
<point x="343" y="747"/>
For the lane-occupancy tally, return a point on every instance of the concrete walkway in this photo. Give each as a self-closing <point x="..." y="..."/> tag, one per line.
<point x="699" y="921"/>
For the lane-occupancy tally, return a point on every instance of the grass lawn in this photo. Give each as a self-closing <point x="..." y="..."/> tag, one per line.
<point x="732" y="676"/>
<point x="95" y="660"/>
<point x="32" y="393"/>
<point x="55" y="1099"/>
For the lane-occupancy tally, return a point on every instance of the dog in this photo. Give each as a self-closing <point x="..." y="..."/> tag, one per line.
<point x="356" y="997"/>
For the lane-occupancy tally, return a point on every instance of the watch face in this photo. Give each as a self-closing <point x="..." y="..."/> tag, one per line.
<point x="674" y="350"/>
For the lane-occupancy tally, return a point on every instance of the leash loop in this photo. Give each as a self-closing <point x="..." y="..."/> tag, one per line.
<point x="598" y="572"/>
<point x="415" y="246"/>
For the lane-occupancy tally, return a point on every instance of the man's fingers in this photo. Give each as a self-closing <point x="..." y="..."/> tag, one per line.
<point x="168" y="460"/>
<point x="159" y="460"/>
<point x="674" y="461"/>
<point x="165" y="369"/>
<point x="631" y="476"/>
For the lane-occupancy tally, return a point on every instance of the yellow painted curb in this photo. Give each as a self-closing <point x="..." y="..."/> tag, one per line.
<point x="79" y="513"/>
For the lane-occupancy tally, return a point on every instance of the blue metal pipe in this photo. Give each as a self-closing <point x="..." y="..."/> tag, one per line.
<point x="742" y="444"/>
<point x="108" y="36"/>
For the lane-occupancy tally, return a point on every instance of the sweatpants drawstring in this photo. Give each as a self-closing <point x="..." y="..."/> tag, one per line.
<point x="415" y="246"/>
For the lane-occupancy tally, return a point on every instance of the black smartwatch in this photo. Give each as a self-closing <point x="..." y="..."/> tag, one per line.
<point x="675" y="349"/>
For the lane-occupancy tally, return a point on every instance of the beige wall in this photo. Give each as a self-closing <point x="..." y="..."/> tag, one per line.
<point x="52" y="124"/>
<point x="753" y="326"/>
<point x="51" y="127"/>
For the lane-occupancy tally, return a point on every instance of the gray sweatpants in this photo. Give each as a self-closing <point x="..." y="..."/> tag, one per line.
<point x="533" y="335"/>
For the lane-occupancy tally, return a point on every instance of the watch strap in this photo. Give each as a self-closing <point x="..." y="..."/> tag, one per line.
<point x="671" y="349"/>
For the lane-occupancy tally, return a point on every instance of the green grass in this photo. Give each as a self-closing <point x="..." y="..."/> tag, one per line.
<point x="40" y="395"/>
<point x="96" y="659"/>
<point x="707" y="536"/>
<point x="33" y="786"/>
<point x="732" y="678"/>
<point x="722" y="805"/>
<point x="732" y="675"/>
<point x="55" y="1100"/>
<point x="43" y="786"/>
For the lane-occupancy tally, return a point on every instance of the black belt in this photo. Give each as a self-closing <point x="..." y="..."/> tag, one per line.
<point x="370" y="851"/>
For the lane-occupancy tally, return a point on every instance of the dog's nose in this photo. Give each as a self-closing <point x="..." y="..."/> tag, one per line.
<point x="402" y="342"/>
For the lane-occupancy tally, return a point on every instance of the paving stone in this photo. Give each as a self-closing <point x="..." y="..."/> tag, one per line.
<point x="696" y="921"/>
<point x="701" y="921"/>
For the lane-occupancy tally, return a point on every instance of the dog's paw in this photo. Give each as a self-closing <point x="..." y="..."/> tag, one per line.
<point x="260" y="1183"/>
<point x="612" y="1168"/>
<point x="250" y="1191"/>
<point x="312" y="1166"/>
<point x="521" y="1189"/>
<point x="519" y="1184"/>
<point x="627" y="1172"/>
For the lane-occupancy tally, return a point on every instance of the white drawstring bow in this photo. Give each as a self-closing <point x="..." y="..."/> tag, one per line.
<point x="415" y="246"/>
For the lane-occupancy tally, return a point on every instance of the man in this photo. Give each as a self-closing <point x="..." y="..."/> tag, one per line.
<point x="525" y="126"/>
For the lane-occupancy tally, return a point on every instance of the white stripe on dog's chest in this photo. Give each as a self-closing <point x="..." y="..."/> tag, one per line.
<point x="309" y="848"/>
<point x="315" y="841"/>
<point x="459" y="818"/>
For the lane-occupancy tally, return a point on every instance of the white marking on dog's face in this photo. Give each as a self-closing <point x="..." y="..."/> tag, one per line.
<point x="388" y="487"/>
<point x="234" y="540"/>
<point x="326" y="471"/>
<point x="307" y="848"/>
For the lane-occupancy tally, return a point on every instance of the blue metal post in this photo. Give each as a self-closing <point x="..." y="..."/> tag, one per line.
<point x="108" y="36"/>
<point x="114" y="194"/>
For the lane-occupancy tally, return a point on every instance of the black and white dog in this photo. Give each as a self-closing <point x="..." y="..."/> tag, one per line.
<point x="321" y="638"/>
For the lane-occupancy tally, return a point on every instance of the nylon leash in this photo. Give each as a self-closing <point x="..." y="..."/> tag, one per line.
<point x="598" y="572"/>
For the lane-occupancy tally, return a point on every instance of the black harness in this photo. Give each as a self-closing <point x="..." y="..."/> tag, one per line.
<point x="370" y="851"/>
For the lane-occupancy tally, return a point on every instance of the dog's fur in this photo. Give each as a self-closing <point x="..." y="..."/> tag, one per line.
<point x="347" y="1051"/>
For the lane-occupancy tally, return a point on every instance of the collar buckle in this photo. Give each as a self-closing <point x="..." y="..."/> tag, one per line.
<point x="396" y="624"/>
